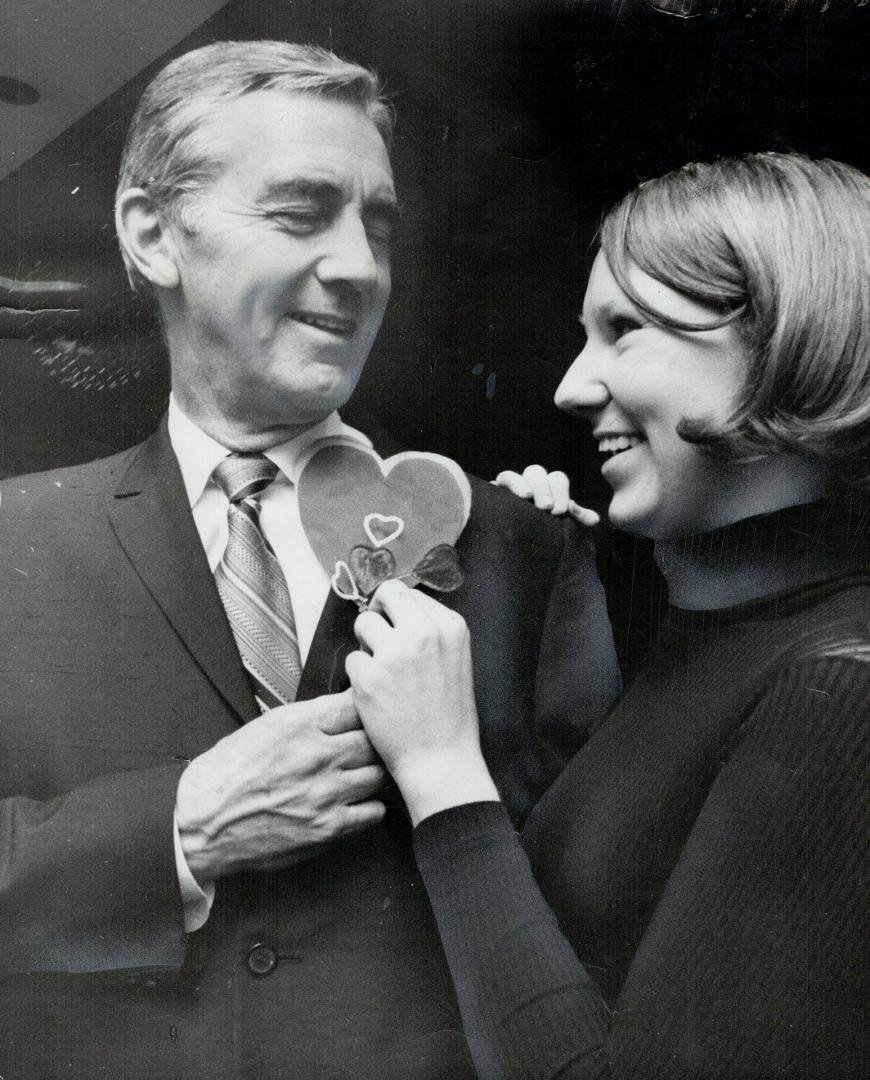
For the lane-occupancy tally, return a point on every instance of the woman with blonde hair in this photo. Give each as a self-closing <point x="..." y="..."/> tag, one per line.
<point x="688" y="899"/>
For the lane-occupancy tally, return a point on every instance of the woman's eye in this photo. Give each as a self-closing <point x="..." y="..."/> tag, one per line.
<point x="622" y="326"/>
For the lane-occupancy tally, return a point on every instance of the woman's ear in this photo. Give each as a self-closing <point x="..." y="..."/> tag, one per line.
<point x="146" y="238"/>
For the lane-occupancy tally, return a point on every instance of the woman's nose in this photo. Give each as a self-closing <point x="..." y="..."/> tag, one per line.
<point x="582" y="391"/>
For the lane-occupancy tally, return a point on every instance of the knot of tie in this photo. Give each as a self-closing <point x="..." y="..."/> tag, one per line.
<point x="240" y="476"/>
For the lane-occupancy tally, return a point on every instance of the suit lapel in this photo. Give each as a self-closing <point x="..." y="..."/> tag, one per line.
<point x="333" y="640"/>
<point x="152" y="520"/>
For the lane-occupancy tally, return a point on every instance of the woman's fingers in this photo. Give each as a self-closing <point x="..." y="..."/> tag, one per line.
<point x="399" y="603"/>
<point x="582" y="514"/>
<point x="535" y="484"/>
<point x="560" y="493"/>
<point x="372" y="630"/>
<point x="514" y="483"/>
<point x="548" y="491"/>
<point x="396" y="609"/>
<point x="538" y="479"/>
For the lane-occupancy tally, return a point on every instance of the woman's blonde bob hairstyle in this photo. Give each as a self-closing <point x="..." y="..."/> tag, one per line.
<point x="778" y="245"/>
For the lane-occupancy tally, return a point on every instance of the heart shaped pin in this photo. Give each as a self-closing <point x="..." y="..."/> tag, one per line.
<point x="383" y="530"/>
<point x="343" y="582"/>
<point x="343" y="486"/>
<point x="370" y="566"/>
<point x="440" y="569"/>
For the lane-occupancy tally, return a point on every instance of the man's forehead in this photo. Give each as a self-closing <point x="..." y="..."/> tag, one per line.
<point x="298" y="125"/>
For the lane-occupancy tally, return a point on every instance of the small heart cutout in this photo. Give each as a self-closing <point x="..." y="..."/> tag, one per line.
<point x="343" y="583"/>
<point x="383" y="528"/>
<point x="439" y="569"/>
<point x="370" y="566"/>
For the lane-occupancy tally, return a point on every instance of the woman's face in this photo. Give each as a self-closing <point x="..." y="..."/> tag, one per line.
<point x="635" y="381"/>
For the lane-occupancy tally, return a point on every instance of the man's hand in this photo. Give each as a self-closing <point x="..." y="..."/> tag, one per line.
<point x="274" y="791"/>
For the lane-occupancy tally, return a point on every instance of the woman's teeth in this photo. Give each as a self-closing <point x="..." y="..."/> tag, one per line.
<point x="615" y="444"/>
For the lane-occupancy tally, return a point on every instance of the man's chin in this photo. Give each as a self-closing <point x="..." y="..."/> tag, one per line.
<point x="313" y="408"/>
<point x="306" y="410"/>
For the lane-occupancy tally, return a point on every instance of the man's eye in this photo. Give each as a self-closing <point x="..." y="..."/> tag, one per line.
<point x="379" y="231"/>
<point x="381" y="236"/>
<point x="301" y="219"/>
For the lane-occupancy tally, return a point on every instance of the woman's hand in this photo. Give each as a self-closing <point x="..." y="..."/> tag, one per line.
<point x="548" y="491"/>
<point x="414" y="692"/>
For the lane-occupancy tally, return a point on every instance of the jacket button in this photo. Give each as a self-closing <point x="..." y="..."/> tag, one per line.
<point x="262" y="960"/>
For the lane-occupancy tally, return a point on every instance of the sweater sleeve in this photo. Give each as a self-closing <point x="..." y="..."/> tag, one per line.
<point x="751" y="963"/>
<point x="529" y="1009"/>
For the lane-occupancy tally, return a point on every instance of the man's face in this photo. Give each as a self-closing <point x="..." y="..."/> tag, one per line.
<point x="284" y="283"/>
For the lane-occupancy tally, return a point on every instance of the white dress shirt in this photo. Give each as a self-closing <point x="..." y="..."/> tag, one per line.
<point x="308" y="583"/>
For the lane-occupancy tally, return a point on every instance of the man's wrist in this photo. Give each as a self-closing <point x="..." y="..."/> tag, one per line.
<point x="191" y="836"/>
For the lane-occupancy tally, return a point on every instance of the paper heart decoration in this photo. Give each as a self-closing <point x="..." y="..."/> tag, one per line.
<point x="383" y="530"/>
<point x="343" y="583"/>
<point x="440" y="569"/>
<point x="370" y="566"/>
<point x="350" y="498"/>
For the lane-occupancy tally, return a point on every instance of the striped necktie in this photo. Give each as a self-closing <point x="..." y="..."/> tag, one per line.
<point x="252" y="587"/>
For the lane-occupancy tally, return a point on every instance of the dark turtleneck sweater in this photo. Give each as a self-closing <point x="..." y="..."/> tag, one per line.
<point x="698" y="905"/>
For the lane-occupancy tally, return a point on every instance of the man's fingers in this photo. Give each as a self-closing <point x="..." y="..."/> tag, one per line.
<point x="353" y="750"/>
<point x="513" y="482"/>
<point x="362" y="815"/>
<point x="338" y="713"/>
<point x="560" y="490"/>
<point x="357" y="785"/>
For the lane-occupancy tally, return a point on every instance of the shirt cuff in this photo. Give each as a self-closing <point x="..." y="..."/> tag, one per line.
<point x="196" y="900"/>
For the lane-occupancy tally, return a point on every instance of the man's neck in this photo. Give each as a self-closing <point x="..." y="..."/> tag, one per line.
<point x="754" y="558"/>
<point x="237" y="434"/>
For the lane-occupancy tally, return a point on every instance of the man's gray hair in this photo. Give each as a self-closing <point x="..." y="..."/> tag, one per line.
<point x="169" y="151"/>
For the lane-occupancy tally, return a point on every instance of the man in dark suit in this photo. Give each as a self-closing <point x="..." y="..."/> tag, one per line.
<point x="198" y="880"/>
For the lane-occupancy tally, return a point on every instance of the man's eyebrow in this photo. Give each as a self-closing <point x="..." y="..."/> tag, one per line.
<point x="321" y="191"/>
<point x="299" y="187"/>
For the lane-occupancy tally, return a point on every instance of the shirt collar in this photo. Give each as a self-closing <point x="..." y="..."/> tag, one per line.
<point x="198" y="453"/>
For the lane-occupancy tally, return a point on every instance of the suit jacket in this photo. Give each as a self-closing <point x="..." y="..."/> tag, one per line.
<point x="118" y="667"/>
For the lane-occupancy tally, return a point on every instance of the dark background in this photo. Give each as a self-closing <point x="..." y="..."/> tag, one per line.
<point x="519" y="122"/>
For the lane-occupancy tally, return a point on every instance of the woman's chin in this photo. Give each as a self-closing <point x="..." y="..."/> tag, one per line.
<point x="631" y="519"/>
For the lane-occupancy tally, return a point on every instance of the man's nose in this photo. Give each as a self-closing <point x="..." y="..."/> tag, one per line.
<point x="348" y="254"/>
<point x="583" y="390"/>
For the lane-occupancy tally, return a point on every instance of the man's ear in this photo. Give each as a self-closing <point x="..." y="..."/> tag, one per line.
<point x="146" y="238"/>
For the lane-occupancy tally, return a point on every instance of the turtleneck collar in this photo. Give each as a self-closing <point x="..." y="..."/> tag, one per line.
<point x="768" y="553"/>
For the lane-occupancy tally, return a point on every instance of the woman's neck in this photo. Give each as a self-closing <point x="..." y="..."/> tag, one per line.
<point x="762" y="555"/>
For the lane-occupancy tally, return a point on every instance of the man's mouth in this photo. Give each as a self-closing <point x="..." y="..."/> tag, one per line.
<point x="338" y="325"/>
<point x="611" y="445"/>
